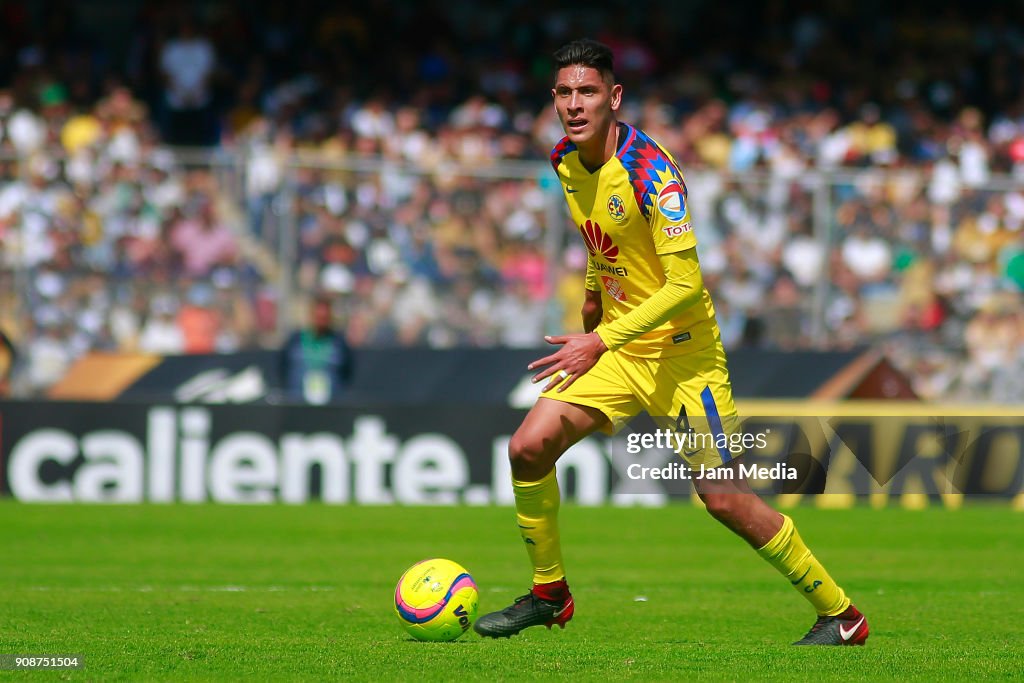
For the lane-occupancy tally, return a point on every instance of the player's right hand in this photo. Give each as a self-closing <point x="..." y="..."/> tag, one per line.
<point x="578" y="354"/>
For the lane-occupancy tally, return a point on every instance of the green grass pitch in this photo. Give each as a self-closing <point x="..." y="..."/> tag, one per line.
<point x="305" y="593"/>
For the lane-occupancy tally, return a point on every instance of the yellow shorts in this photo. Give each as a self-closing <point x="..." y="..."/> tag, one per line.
<point x="687" y="392"/>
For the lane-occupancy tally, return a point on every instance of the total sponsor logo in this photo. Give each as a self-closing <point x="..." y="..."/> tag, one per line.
<point x="673" y="231"/>
<point x="672" y="201"/>
<point x="614" y="288"/>
<point x="598" y="242"/>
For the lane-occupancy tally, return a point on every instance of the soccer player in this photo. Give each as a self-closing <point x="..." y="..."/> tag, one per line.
<point x="651" y="343"/>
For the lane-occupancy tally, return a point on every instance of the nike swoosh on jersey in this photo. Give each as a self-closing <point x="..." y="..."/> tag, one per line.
<point x="570" y="190"/>
<point x="846" y="635"/>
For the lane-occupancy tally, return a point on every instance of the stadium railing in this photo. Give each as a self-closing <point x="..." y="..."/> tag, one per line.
<point x="810" y="259"/>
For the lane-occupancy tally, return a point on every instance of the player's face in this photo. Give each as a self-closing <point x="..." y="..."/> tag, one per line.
<point x="586" y="103"/>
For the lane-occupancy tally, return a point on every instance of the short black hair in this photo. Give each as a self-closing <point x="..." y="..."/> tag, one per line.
<point x="586" y="52"/>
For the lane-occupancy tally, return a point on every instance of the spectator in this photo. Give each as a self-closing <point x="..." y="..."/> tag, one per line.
<point x="7" y="359"/>
<point x="48" y="358"/>
<point x="161" y="333"/>
<point x="200" y="324"/>
<point x="316" y="362"/>
<point x="187" y="63"/>
<point x="204" y="242"/>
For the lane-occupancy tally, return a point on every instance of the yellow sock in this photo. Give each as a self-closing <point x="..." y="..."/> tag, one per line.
<point x="537" y="513"/>
<point x="787" y="553"/>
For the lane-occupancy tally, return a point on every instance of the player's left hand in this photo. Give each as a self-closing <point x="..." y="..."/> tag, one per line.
<point x="578" y="354"/>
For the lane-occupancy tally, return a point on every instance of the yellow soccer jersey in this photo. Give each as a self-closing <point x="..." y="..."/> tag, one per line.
<point x="630" y="211"/>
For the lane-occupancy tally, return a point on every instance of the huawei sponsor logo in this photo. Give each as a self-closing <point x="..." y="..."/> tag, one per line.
<point x="598" y="243"/>
<point x="617" y="271"/>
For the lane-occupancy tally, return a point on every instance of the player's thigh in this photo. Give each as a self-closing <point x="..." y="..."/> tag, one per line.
<point x="607" y="387"/>
<point x="554" y="426"/>
<point x="548" y="430"/>
<point x="600" y="399"/>
<point x="693" y="394"/>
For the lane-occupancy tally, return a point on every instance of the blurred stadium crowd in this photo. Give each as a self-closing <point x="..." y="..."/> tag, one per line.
<point x="855" y="173"/>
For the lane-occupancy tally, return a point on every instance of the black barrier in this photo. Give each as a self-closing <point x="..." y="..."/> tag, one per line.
<point x="463" y="376"/>
<point x="436" y="454"/>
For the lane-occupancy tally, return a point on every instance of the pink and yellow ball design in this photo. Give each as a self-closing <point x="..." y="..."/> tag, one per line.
<point x="436" y="600"/>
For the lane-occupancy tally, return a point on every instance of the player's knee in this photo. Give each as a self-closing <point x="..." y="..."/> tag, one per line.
<point x="721" y="506"/>
<point x="528" y="458"/>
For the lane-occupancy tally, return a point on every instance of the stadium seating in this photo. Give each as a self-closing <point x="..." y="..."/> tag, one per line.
<point x="435" y="221"/>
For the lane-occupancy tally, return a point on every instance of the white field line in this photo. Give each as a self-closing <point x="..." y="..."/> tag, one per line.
<point x="186" y="588"/>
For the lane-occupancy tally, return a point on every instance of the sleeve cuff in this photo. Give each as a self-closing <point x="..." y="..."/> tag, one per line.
<point x="604" y="338"/>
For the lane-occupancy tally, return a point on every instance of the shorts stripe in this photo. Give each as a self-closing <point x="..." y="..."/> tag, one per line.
<point x="715" y="422"/>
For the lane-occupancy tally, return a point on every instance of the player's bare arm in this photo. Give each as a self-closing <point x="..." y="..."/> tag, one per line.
<point x="592" y="310"/>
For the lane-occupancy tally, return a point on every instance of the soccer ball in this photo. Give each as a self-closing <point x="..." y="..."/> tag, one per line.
<point x="436" y="600"/>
